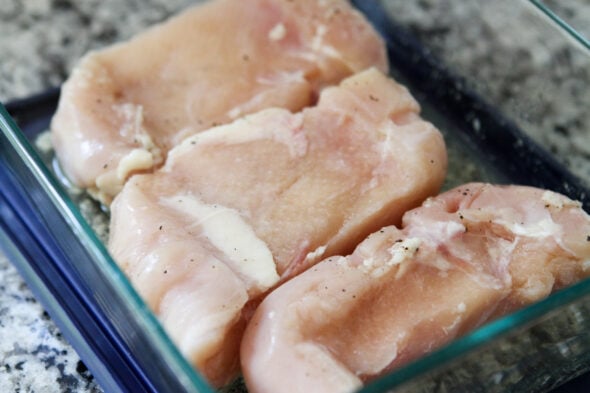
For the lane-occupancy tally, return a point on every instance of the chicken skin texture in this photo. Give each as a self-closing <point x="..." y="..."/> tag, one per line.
<point x="243" y="207"/>
<point x="463" y="258"/>
<point x="124" y="107"/>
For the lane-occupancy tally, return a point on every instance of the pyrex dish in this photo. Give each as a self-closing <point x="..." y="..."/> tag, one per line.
<point x="67" y="267"/>
<point x="568" y="16"/>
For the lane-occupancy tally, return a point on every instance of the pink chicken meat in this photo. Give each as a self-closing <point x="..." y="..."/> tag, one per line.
<point x="463" y="258"/>
<point x="242" y="207"/>
<point x="124" y="107"/>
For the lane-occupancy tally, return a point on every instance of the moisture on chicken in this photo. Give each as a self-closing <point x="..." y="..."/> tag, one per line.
<point x="124" y="107"/>
<point x="463" y="258"/>
<point x="242" y="207"/>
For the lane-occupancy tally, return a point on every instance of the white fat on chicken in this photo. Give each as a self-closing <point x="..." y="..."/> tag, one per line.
<point x="230" y="234"/>
<point x="268" y="196"/>
<point x="463" y="258"/>
<point x="208" y="65"/>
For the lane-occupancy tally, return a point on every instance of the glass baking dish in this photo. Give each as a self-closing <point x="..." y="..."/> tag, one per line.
<point x="488" y="111"/>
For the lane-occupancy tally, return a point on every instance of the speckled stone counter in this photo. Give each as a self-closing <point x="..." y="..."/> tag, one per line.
<point x="40" y="41"/>
<point x="33" y="355"/>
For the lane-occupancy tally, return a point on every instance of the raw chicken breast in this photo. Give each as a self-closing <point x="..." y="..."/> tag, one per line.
<point x="241" y="207"/>
<point x="472" y="254"/>
<point x="124" y="107"/>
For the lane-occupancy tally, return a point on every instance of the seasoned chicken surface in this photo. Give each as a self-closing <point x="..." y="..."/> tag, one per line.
<point x="124" y="107"/>
<point x="242" y="207"/>
<point x="461" y="259"/>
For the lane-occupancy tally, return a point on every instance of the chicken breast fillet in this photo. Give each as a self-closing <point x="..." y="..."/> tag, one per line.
<point x="124" y="107"/>
<point x="463" y="258"/>
<point x="242" y="207"/>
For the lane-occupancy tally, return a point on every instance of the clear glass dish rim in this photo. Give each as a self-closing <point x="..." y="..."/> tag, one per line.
<point x="477" y="338"/>
<point x="507" y="324"/>
<point x="565" y="26"/>
<point x="100" y="256"/>
<point x="452" y="351"/>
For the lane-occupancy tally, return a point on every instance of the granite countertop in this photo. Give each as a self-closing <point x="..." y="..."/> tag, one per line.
<point x="40" y="41"/>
